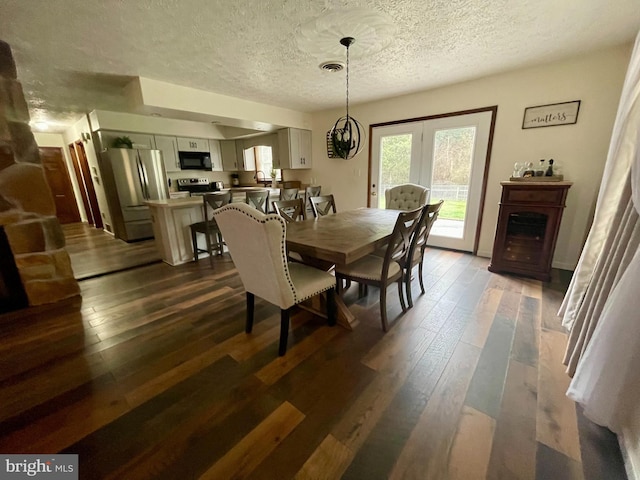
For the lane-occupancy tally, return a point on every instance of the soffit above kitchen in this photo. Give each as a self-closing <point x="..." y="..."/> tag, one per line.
<point x="76" y="56"/>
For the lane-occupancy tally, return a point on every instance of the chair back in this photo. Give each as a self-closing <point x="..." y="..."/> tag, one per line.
<point x="290" y="210"/>
<point x="407" y="196"/>
<point x="288" y="193"/>
<point x="258" y="199"/>
<point x="400" y="241"/>
<point x="421" y="234"/>
<point x="322" y="205"/>
<point x="257" y="244"/>
<point x="213" y="201"/>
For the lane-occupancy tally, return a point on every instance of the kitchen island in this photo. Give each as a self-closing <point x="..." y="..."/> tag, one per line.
<point x="171" y="219"/>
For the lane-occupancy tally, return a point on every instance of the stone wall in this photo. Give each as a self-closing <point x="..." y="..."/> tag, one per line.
<point x="27" y="210"/>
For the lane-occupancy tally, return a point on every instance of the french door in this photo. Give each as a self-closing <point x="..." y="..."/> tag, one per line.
<point x="448" y="155"/>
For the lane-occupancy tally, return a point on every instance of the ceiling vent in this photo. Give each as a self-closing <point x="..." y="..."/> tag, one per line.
<point x="332" y="66"/>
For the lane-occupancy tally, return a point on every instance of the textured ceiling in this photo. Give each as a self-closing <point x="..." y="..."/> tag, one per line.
<point x="74" y="56"/>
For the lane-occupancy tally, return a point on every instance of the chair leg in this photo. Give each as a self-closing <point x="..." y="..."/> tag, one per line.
<point x="284" y="331"/>
<point x="383" y="307"/>
<point x="220" y="244"/>
<point x="339" y="284"/>
<point x="420" y="274"/>
<point x="195" y="245"/>
<point x="407" y="282"/>
<point x="401" y="295"/>
<point x="250" y="307"/>
<point x="331" y="307"/>
<point x="208" y="236"/>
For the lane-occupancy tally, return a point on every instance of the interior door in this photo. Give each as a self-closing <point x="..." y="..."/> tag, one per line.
<point x="57" y="175"/>
<point x="446" y="154"/>
<point x="88" y="184"/>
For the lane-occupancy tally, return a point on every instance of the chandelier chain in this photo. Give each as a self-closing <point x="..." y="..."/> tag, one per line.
<point x="347" y="82"/>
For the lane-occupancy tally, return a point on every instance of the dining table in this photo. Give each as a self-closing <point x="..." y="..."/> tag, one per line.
<point x="340" y="239"/>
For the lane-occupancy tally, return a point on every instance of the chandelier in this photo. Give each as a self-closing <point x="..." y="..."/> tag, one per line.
<point x="346" y="137"/>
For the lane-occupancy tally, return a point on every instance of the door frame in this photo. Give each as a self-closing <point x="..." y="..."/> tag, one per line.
<point x="494" y="113"/>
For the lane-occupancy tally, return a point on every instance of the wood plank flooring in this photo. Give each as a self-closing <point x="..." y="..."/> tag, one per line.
<point x="94" y="252"/>
<point x="150" y="375"/>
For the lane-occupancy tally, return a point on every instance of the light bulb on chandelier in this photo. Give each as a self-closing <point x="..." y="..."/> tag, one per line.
<point x="346" y="137"/>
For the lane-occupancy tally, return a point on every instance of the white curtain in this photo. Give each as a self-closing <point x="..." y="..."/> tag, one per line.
<point x="602" y="305"/>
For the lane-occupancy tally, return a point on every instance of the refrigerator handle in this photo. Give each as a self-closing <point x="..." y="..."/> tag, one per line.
<point x="144" y="180"/>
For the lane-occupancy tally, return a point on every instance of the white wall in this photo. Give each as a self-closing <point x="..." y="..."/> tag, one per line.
<point x="57" y="140"/>
<point x="595" y="79"/>
<point x="73" y="134"/>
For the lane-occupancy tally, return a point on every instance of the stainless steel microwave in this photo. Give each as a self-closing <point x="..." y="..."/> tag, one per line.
<point x="195" y="160"/>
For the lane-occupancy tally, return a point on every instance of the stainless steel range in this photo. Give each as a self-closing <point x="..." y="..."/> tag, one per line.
<point x="198" y="186"/>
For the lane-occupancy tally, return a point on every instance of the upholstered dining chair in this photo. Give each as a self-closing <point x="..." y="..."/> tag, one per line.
<point x="288" y="193"/>
<point x="406" y="196"/>
<point x="290" y="210"/>
<point x="415" y="256"/>
<point x="381" y="272"/>
<point x="258" y="199"/>
<point x="257" y="244"/>
<point x="208" y="227"/>
<point x="322" y="205"/>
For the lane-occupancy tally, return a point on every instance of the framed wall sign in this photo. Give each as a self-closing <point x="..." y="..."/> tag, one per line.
<point x="551" y="115"/>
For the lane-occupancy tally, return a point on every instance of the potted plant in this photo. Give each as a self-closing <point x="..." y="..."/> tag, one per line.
<point x="122" y="142"/>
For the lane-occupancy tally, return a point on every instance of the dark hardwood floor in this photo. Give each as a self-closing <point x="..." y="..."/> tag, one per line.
<point x="94" y="252"/>
<point x="150" y="375"/>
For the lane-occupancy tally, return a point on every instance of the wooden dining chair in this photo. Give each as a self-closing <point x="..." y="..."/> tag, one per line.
<point x="288" y="193"/>
<point x="381" y="272"/>
<point x="258" y="199"/>
<point x="208" y="227"/>
<point x="290" y="210"/>
<point x="415" y="256"/>
<point x="407" y="196"/>
<point x="257" y="244"/>
<point x="322" y="205"/>
<point x="310" y="191"/>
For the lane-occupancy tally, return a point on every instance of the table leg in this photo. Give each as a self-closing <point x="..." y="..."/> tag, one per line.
<point x="318" y="307"/>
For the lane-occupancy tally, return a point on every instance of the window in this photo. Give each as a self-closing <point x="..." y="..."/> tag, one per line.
<point x="264" y="163"/>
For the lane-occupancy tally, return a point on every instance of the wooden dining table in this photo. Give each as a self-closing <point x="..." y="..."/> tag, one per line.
<point x="340" y="239"/>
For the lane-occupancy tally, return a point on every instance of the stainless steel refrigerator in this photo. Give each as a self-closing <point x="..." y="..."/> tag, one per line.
<point x="132" y="176"/>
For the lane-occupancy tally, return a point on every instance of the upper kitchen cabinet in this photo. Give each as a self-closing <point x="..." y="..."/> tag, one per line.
<point x="169" y="148"/>
<point x="229" y="156"/>
<point x="216" y="155"/>
<point x="233" y="157"/>
<point x="193" y="144"/>
<point x="139" y="140"/>
<point x="295" y="148"/>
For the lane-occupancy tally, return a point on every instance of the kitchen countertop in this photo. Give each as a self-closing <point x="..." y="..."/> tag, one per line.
<point x="192" y="201"/>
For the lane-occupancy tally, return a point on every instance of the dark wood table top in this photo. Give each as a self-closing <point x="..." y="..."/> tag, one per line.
<point x="343" y="237"/>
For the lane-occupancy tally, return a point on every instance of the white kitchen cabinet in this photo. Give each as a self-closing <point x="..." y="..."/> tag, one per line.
<point x="233" y="157"/>
<point x="169" y="148"/>
<point x="193" y="144"/>
<point x="295" y="148"/>
<point x="216" y="155"/>
<point x="229" y="156"/>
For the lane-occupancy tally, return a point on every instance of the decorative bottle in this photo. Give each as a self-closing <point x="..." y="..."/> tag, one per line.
<point x="549" y="172"/>
<point x="540" y="169"/>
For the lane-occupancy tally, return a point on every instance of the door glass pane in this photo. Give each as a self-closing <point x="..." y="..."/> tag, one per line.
<point x="395" y="162"/>
<point x="451" y="174"/>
